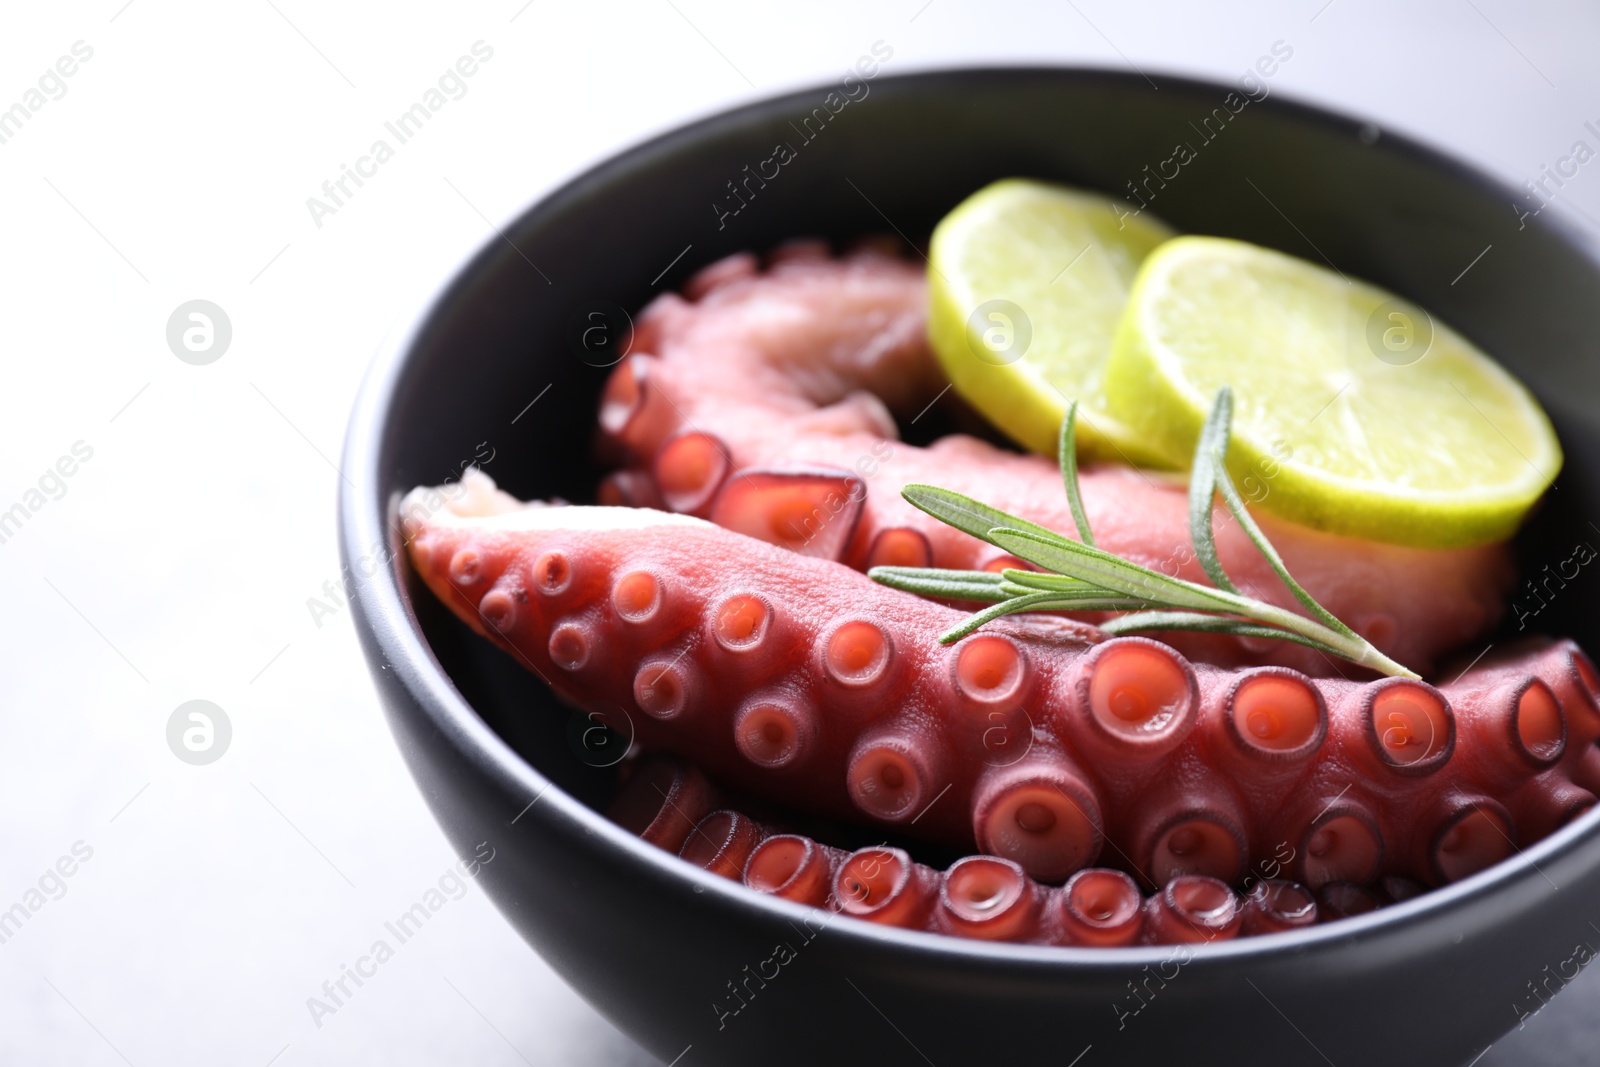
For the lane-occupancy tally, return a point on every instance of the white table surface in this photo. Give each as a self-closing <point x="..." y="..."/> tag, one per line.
<point x="179" y="561"/>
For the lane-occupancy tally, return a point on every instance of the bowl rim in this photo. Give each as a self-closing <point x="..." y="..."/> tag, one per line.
<point x="383" y="609"/>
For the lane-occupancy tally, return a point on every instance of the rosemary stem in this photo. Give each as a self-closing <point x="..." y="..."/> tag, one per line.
<point x="1355" y="650"/>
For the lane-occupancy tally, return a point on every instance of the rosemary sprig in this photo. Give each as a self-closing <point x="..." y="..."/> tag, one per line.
<point x="1079" y="576"/>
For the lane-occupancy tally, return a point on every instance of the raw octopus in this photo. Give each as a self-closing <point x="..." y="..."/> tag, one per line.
<point x="1038" y="740"/>
<point x="766" y="401"/>
<point x="672" y="805"/>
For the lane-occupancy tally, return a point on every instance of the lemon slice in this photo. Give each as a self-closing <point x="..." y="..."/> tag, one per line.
<point x="1027" y="285"/>
<point x="1354" y="411"/>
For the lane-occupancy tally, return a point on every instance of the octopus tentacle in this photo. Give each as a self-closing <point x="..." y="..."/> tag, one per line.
<point x="802" y="682"/>
<point x="982" y="897"/>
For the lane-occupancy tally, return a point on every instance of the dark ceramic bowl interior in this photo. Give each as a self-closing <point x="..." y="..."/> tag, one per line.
<point x="663" y="949"/>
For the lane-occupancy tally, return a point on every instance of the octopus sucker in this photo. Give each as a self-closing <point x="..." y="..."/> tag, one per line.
<point x="634" y="412"/>
<point x="1191" y="909"/>
<point x="1040" y="812"/>
<point x="884" y="885"/>
<point x="892" y="774"/>
<point x="1132" y="700"/>
<point x="689" y="469"/>
<point x="775" y="730"/>
<point x="898" y="546"/>
<point x="1547" y="803"/>
<point x="1523" y="727"/>
<point x="812" y="512"/>
<point x="1343" y="843"/>
<point x="990" y="899"/>
<point x="1188" y="825"/>
<point x="1271" y="716"/>
<point x="1276" y="905"/>
<point x="795" y="868"/>
<point x="857" y="654"/>
<point x="1470" y="834"/>
<point x="1397" y="727"/>
<point x="800" y="682"/>
<point x="1099" y="907"/>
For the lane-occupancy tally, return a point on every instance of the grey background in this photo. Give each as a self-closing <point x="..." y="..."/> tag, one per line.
<point x="178" y="561"/>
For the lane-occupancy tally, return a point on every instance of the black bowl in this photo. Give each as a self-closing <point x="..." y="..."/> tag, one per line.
<point x="668" y="952"/>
